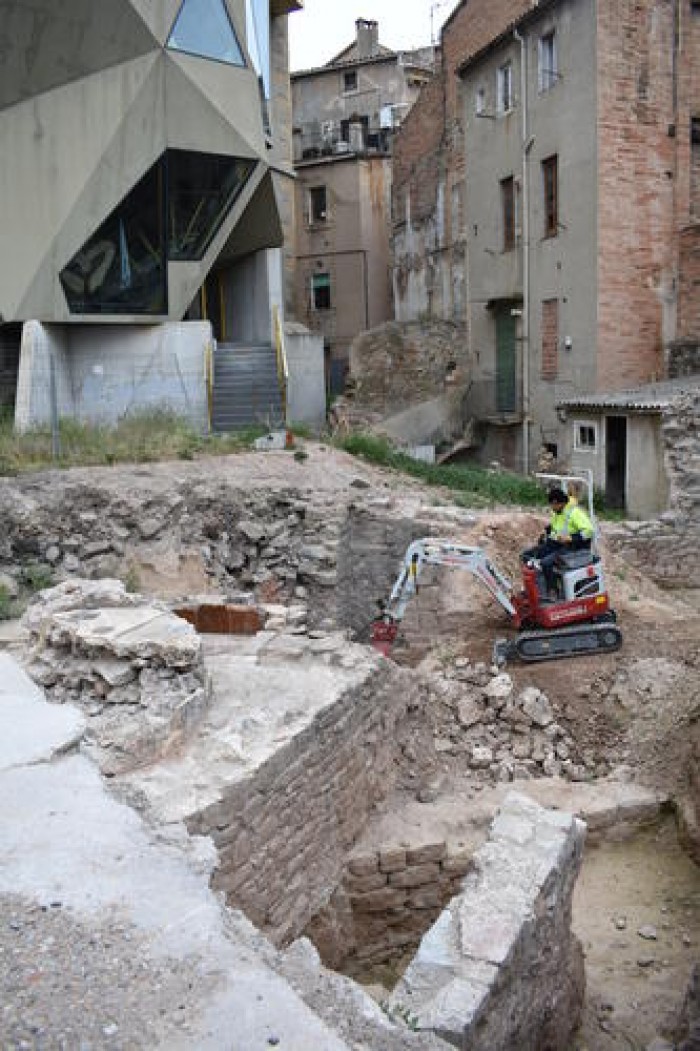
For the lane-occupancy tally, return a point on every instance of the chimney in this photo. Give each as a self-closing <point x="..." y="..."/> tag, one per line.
<point x="367" y="38"/>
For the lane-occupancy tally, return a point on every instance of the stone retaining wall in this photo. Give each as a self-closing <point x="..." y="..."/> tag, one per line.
<point x="501" y="967"/>
<point x="283" y="835"/>
<point x="387" y="900"/>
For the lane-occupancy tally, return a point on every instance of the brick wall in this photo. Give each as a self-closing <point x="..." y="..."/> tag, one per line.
<point x="689" y="284"/>
<point x="283" y="835"/>
<point x="550" y="339"/>
<point x="635" y="187"/>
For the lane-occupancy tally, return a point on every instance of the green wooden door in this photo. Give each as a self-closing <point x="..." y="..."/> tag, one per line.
<point x="505" y="361"/>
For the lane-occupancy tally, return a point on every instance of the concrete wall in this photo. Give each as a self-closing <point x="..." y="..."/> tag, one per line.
<point x="105" y="372"/>
<point x="352" y="246"/>
<point x="306" y="395"/>
<point x="562" y="268"/>
<point x="646" y="481"/>
<point x="668" y="546"/>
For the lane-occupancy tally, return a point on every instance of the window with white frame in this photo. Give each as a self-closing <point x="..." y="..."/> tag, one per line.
<point x="504" y="86"/>
<point x="585" y="436"/>
<point x="547" y="66"/>
<point x="480" y="102"/>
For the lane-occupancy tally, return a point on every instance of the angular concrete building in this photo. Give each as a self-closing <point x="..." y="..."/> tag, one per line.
<point x="145" y="148"/>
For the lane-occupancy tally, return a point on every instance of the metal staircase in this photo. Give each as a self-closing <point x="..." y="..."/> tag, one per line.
<point x="246" y="388"/>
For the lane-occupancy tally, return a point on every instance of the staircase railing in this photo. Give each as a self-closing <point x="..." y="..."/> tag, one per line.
<point x="281" y="356"/>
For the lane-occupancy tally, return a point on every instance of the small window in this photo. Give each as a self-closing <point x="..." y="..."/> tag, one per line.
<point x="350" y="80"/>
<point x="318" y="204"/>
<point x="550" y="187"/>
<point x="585" y="436"/>
<point x="321" y="291"/>
<point x="480" y="102"/>
<point x="508" y="212"/>
<point x="548" y="72"/>
<point x="505" y="88"/>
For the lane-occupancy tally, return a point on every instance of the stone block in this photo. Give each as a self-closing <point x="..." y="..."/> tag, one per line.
<point x="364" y="864"/>
<point x="363" y="884"/>
<point x="392" y="859"/>
<point x="428" y="852"/>
<point x="380" y="900"/>
<point x="417" y="876"/>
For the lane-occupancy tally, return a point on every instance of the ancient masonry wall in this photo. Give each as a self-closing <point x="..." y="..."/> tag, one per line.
<point x="387" y="900"/>
<point x="501" y="967"/>
<point x="668" y="548"/>
<point x="283" y="836"/>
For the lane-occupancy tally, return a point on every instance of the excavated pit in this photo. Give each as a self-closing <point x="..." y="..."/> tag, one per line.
<point x="308" y="740"/>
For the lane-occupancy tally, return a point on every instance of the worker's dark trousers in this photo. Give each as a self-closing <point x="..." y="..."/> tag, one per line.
<point x="546" y="554"/>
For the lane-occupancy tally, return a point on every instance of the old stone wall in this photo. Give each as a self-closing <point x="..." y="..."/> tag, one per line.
<point x="187" y="538"/>
<point x="399" y="364"/>
<point x="668" y="548"/>
<point x="683" y="359"/>
<point x="501" y="967"/>
<point x="370" y="555"/>
<point x="387" y="900"/>
<point x="283" y="836"/>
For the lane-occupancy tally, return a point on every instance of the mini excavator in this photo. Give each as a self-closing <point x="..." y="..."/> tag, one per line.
<point x="578" y="622"/>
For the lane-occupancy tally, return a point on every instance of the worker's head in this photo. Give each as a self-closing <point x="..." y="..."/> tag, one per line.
<point x="557" y="498"/>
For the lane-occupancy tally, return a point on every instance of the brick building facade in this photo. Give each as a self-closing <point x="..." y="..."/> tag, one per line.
<point x="546" y="193"/>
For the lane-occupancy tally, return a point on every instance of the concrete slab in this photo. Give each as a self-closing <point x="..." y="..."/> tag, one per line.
<point x="260" y="701"/>
<point x="64" y="839"/>
<point x="32" y="731"/>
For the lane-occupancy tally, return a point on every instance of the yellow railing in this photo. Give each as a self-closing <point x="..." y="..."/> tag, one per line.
<point x="281" y="355"/>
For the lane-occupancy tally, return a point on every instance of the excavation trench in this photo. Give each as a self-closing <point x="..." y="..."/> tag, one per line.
<point x="313" y="763"/>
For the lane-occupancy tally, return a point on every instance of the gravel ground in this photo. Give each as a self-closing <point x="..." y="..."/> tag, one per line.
<point x="68" y="987"/>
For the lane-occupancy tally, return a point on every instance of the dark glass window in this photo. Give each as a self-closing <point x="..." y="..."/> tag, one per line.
<point x="121" y="269"/>
<point x="550" y="187"/>
<point x="203" y="28"/>
<point x="350" y="80"/>
<point x="508" y="209"/>
<point x="321" y="291"/>
<point x="318" y="204"/>
<point x="202" y="187"/>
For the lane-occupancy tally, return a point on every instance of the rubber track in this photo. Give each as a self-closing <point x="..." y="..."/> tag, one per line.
<point x="568" y="642"/>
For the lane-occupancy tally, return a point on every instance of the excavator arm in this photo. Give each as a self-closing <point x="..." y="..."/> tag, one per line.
<point x="436" y="552"/>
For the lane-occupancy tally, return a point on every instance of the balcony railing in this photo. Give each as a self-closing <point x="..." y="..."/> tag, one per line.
<point x="339" y="137"/>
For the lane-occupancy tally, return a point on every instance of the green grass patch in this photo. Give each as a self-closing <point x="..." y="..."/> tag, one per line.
<point x="141" y="437"/>
<point x="472" y="486"/>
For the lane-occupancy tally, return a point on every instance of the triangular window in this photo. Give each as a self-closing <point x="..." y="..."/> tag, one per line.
<point x="204" y="28"/>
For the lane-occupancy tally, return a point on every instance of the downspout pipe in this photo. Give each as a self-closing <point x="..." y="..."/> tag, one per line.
<point x="526" y="146"/>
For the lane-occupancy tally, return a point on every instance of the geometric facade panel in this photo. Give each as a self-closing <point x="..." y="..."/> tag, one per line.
<point x="122" y="268"/>
<point x="51" y="44"/>
<point x="202" y="189"/>
<point x="203" y="28"/>
<point x="173" y="212"/>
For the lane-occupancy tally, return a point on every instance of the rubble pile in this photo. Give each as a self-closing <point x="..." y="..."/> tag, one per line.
<point x="129" y="663"/>
<point x="503" y="734"/>
<point x="188" y="538"/>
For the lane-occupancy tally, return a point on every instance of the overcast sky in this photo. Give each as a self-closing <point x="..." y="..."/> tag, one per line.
<point x="325" y="27"/>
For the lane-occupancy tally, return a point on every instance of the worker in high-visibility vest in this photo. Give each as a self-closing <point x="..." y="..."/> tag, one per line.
<point x="569" y="529"/>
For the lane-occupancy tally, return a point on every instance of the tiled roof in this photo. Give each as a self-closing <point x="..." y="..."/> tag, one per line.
<point x="650" y="398"/>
